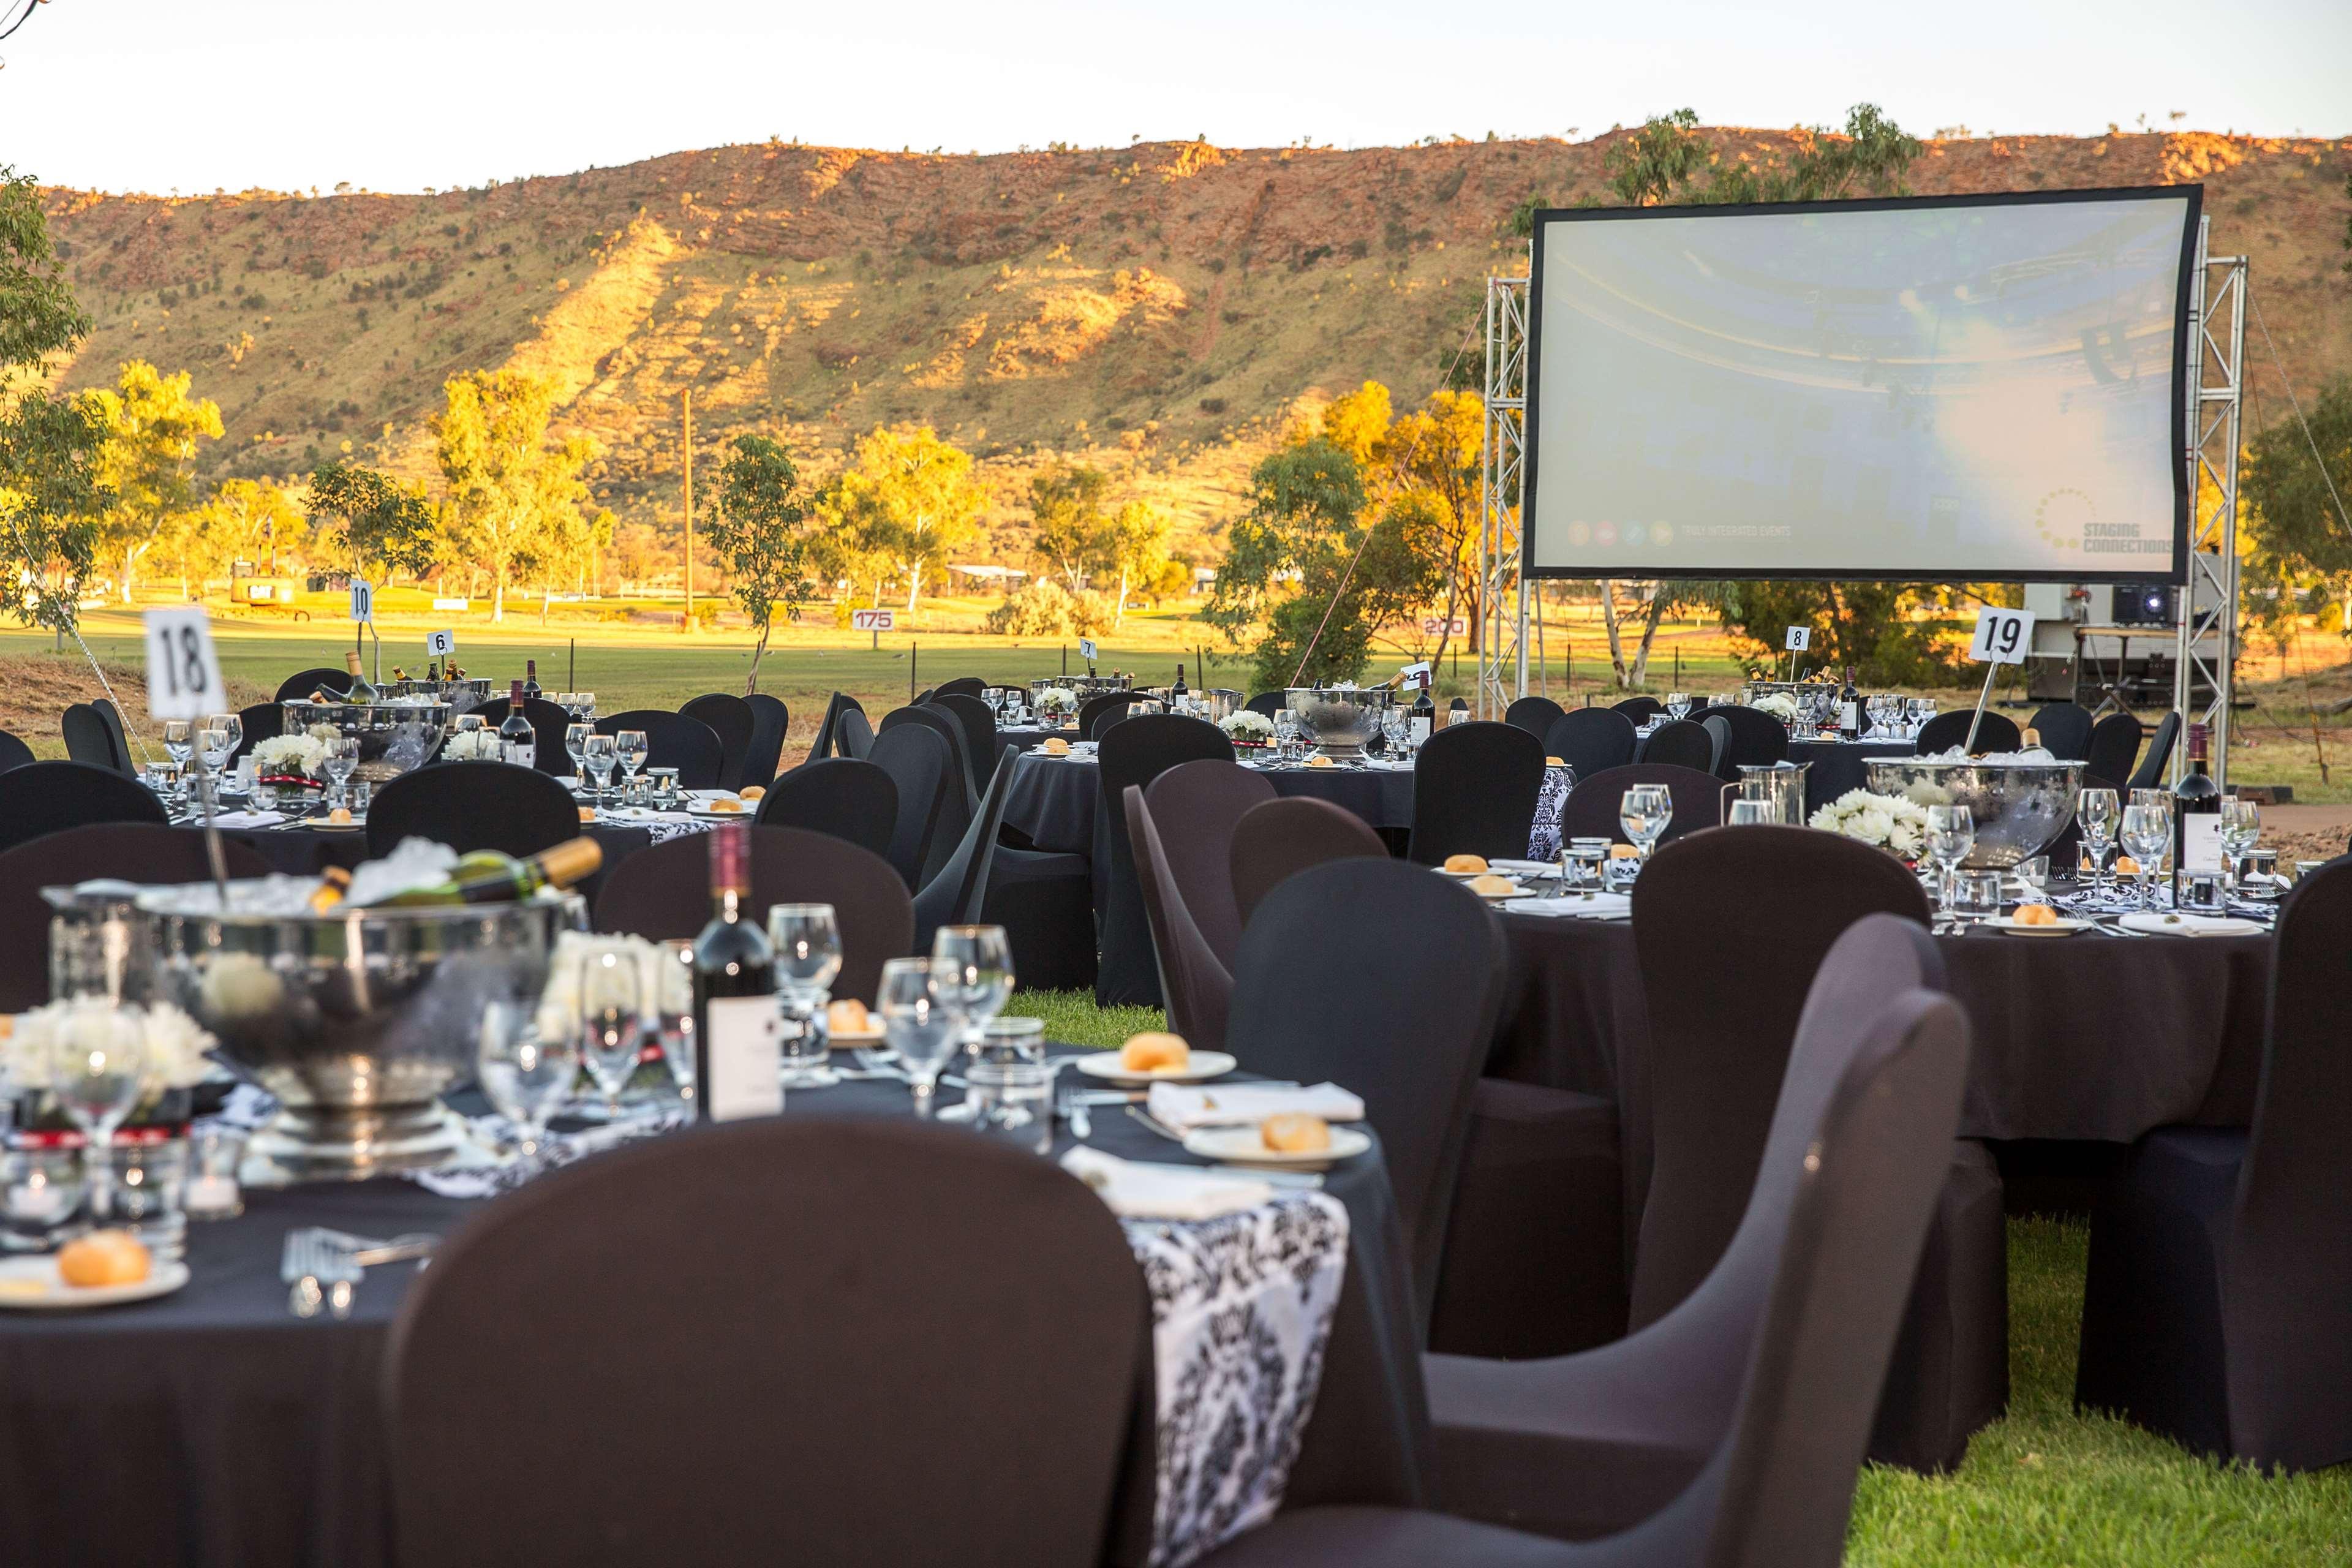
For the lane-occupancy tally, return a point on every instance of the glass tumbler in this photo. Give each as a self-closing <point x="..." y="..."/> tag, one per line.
<point x="1012" y="1101"/>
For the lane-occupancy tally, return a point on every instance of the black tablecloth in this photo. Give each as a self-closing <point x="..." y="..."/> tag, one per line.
<point x="211" y="1426"/>
<point x="1052" y="799"/>
<point x="1838" y="765"/>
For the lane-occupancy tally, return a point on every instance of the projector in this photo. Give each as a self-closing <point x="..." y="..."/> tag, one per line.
<point x="2143" y="604"/>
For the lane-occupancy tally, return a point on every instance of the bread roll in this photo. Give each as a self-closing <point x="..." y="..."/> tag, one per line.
<point x="1555" y="761"/>
<point x="1155" y="1052"/>
<point x="341" y="816"/>
<point x="754" y="792"/>
<point x="1320" y="761"/>
<point x="1295" y="1132"/>
<point x="1623" y="852"/>
<point x="2036" y="915"/>
<point x="102" y="1258"/>
<point x="2126" y="867"/>
<point x="848" y="1017"/>
<point x="1468" y="865"/>
<point x="587" y="814"/>
<point x="726" y="803"/>
<point x="1493" y="886"/>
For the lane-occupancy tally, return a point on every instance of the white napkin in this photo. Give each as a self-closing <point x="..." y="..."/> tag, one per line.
<point x="1184" y="1107"/>
<point x="1134" y="1190"/>
<point x="1599" y="907"/>
<point x="2161" y="924"/>
<point x="246" y="818"/>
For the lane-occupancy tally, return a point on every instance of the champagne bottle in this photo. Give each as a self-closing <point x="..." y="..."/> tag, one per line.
<point x="517" y="742"/>
<point x="398" y="673"/>
<point x="737" y="1043"/>
<point x="360" y="690"/>
<point x="487" y="877"/>
<point x="2196" y="814"/>
<point x="1849" y="709"/>
<point x="530" y="678"/>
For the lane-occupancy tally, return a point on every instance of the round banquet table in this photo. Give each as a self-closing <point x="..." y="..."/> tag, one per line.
<point x="1837" y="765"/>
<point x="211" y="1426"/>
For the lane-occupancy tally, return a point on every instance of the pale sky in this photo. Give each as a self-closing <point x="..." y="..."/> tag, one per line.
<point x="287" y="94"/>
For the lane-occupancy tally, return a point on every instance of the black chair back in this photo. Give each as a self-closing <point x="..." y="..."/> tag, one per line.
<point x="1197" y="987"/>
<point x="1536" y="715"/>
<point x="2149" y="774"/>
<point x="828" y="728"/>
<point x="1592" y="805"/>
<point x="87" y="740"/>
<point x="1474" y="788"/>
<point x="475" y="806"/>
<point x="918" y="761"/>
<point x="126" y="851"/>
<point x="957" y="893"/>
<point x="1268" y="703"/>
<point x="732" y="720"/>
<point x="856" y="735"/>
<point x="550" y="722"/>
<point x="1195" y="807"/>
<point x="672" y="740"/>
<point x="2115" y="746"/>
<point x="970" y="686"/>
<point x="1719" y="730"/>
<point x="303" y="682"/>
<point x="664" y="894"/>
<point x="841" y="796"/>
<point x="13" y="753"/>
<point x="1754" y="911"/>
<point x="949" y="729"/>
<point x="262" y="721"/>
<point x="2064" y="729"/>
<point x="1318" y="998"/>
<point x="1681" y="743"/>
<point x="1091" y="720"/>
<point x="1640" y="710"/>
<point x="886" y="1250"/>
<point x="40" y="798"/>
<point x="1590" y="740"/>
<point x="1998" y="732"/>
<point x="1136" y="752"/>
<point x="978" y="730"/>
<point x="770" y="720"/>
<point x="1275" y="841"/>
<point x="125" y="759"/>
<point x="1758" y="739"/>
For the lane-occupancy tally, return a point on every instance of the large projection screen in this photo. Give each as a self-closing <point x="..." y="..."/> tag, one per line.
<point x="1937" y="388"/>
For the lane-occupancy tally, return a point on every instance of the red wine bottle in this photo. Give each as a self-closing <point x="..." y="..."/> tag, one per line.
<point x="530" y="678"/>
<point x="2196" y="814"/>
<point x="738" y="1042"/>
<point x="1849" y="709"/>
<point x="517" y="742"/>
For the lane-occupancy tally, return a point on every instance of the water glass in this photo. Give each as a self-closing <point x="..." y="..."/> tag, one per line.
<point x="1951" y="834"/>
<point x="611" y="1018"/>
<point x="98" y="1067"/>
<point x="213" y="747"/>
<point x="1977" y="895"/>
<point x="1644" y="813"/>
<point x="2034" y="872"/>
<point x="2241" y="829"/>
<point x="630" y="744"/>
<point x="922" y="1029"/>
<point x="669" y="999"/>
<point x="1010" y="1036"/>
<point x="2205" y="892"/>
<point x="1011" y="1100"/>
<point x="806" y="940"/>
<point x="342" y="760"/>
<point x="599" y="754"/>
<point x="41" y="1192"/>
<point x="525" y="1075"/>
<point x="1678" y="704"/>
<point x="466" y="723"/>
<point x="2147" y="835"/>
<point x="971" y="966"/>
<point x="229" y="724"/>
<point x="146" y="1178"/>
<point x="575" y="743"/>
<point x="1753" y="813"/>
<point x="215" y="1155"/>
<point x="1581" y="861"/>
<point x="2095" y="811"/>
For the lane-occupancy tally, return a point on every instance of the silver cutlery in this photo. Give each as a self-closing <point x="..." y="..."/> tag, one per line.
<point x="1155" y="1124"/>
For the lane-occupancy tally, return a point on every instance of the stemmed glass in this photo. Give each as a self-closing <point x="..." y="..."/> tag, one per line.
<point x="1396" y="726"/>
<point x="1286" y="731"/>
<point x="2095" y="812"/>
<point x="611" y="1014"/>
<point x="1678" y="705"/>
<point x="806" y="942"/>
<point x="213" y="749"/>
<point x="2241" y="829"/>
<point x="669" y="998"/>
<point x="920" y="1025"/>
<point x="972" y="968"/>
<point x="180" y="744"/>
<point x="97" y="1068"/>
<point x="230" y="724"/>
<point x="525" y="1075"/>
<point x="1644" y="813"/>
<point x="341" y="761"/>
<point x="630" y="746"/>
<point x="1951" y="834"/>
<point x="576" y="744"/>
<point x="598" y="753"/>
<point x="2147" y="835"/>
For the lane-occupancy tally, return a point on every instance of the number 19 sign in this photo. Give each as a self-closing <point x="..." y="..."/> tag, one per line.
<point x="2003" y="637"/>
<point x="183" y="678"/>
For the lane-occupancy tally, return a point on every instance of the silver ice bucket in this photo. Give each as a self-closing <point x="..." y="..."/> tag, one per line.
<point x="394" y="737"/>
<point x="2019" y="808"/>
<point x="1341" y="721"/>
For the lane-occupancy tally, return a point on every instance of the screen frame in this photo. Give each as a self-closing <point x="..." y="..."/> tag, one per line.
<point x="2192" y="194"/>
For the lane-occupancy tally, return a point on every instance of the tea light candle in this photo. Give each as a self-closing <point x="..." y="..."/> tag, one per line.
<point x="213" y="1197"/>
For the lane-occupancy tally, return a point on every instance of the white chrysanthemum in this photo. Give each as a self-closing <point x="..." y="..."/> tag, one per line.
<point x="285" y="754"/>
<point x="172" y="1045"/>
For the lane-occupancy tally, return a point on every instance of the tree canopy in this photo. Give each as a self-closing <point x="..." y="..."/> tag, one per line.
<point x="514" y="494"/>
<point x="909" y="499"/>
<point x="759" y="529"/>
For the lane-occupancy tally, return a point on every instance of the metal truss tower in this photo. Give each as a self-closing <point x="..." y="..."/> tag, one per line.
<point x="1502" y="593"/>
<point x="2207" y="650"/>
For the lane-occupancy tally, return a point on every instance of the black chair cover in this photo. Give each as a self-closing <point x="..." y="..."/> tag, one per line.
<point x="1268" y="703"/>
<point x="125" y="851"/>
<point x="856" y="735"/>
<point x="85" y="738"/>
<point x="870" y="1258"/>
<point x="1196" y="984"/>
<point x="1590" y="740"/>
<point x="1758" y="739"/>
<point x="957" y="893"/>
<point x="662" y="893"/>
<point x="1592" y="805"/>
<point x="978" y="731"/>
<point x="1143" y="748"/>
<point x="770" y="719"/>
<point x="1196" y="806"/>
<point x="2064" y="729"/>
<point x="1091" y="723"/>
<point x="970" y="686"/>
<point x="2149" y="774"/>
<point x="732" y="720"/>
<point x="303" y="682"/>
<point x="1719" y="730"/>
<point x="2115" y="746"/>
<point x="1640" y="710"/>
<point x="262" y="721"/>
<point x="828" y="728"/>
<point x="2218" y="1306"/>
<point x="674" y="741"/>
<point x="1679" y="743"/>
<point x="1536" y="715"/>
<point x="918" y="761"/>
<point x="1474" y="788"/>
<point x="13" y="753"/>
<point x="963" y="777"/>
<point x="1998" y="732"/>
<point x="1273" y="842"/>
<point x="475" y="806"/>
<point x="549" y="724"/>
<point x="126" y="760"/>
<point x="841" y="796"/>
<point x="39" y="799"/>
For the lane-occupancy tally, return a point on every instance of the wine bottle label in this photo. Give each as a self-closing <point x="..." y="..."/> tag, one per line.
<point x="1420" y="728"/>
<point x="1850" y="717"/>
<point x="2200" y="841"/>
<point x="742" y="1057"/>
<point x="522" y="753"/>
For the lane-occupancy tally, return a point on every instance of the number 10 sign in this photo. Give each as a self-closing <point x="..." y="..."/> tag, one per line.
<point x="183" y="678"/>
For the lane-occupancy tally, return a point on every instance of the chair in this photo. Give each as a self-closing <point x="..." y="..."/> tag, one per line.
<point x="918" y="761"/>
<point x="1731" y="1434"/>
<point x="1592" y="805"/>
<point x="847" y="799"/>
<point x="1474" y="792"/>
<point x="672" y="740"/>
<point x="1139" y="751"/>
<point x="1999" y="733"/>
<point x="2218" y="1306"/>
<point x="663" y="894"/>
<point x="1590" y="740"/>
<point x="1195" y="984"/>
<point x="112" y="716"/>
<point x="828" y="728"/>
<point x="1351" y="1001"/>
<point x="1640" y="710"/>
<point x="13" y="753"/>
<point x="1536" y="715"/>
<point x="970" y="686"/>
<point x="1678" y="743"/>
<point x="128" y="851"/>
<point x="963" y="779"/>
<point x="956" y="893"/>
<point x="88" y="740"/>
<point x="1758" y="739"/>
<point x="732" y="720"/>
<point x="978" y="731"/>
<point x="476" y="806"/>
<point x="2149" y="774"/>
<point x="770" y="720"/>
<point x="550" y="722"/>
<point x="1750" y="917"/>
<point x="856" y="735"/>
<point x="1273" y="842"/>
<point x="1091" y="723"/>
<point x="1196" y="806"/>
<point x="262" y="721"/>
<point x="2115" y="746"/>
<point x="39" y="799"/>
<point x="1719" y="730"/>
<point x="303" y="682"/>
<point x="2064" y="729"/>
<point x="1268" y="703"/>
<point x="865" y="1295"/>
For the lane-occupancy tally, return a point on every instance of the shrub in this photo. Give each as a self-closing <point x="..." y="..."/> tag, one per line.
<point x="1091" y="612"/>
<point x="1034" y="609"/>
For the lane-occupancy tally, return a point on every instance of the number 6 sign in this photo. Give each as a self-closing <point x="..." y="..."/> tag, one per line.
<point x="183" y="678"/>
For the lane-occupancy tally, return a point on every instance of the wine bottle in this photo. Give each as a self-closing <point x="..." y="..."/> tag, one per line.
<point x="398" y="673"/>
<point x="1177" y="691"/>
<point x="1425" y="718"/>
<point x="487" y="877"/>
<point x="360" y="690"/>
<point x="1459" y="713"/>
<point x="517" y="742"/>
<point x="1849" y="709"/>
<point x="2196" y="814"/>
<point x="738" y="1041"/>
<point x="530" y="678"/>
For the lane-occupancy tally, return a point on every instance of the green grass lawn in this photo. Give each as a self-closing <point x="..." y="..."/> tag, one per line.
<point x="2045" y="1486"/>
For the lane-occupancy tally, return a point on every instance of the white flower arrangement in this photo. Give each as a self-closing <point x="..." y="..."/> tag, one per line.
<point x="324" y="733"/>
<point x="1892" y="822"/>
<point x="174" y="1047"/>
<point x="283" y="756"/>
<point x="1248" y="727"/>
<point x="1778" y="704"/>
<point x="1057" y="700"/>
<point x="471" y="746"/>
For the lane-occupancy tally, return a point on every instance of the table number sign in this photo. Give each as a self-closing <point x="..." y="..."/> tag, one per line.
<point x="441" y="645"/>
<point x="1416" y="675"/>
<point x="1087" y="649"/>
<point x="2003" y="637"/>
<point x="362" y="601"/>
<point x="1798" y="640"/>
<point x="183" y="678"/>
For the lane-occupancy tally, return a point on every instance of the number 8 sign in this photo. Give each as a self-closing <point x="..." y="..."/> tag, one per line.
<point x="183" y="678"/>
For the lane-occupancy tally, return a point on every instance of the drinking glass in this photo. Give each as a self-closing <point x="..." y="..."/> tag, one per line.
<point x="2147" y="835"/>
<point x="1757" y="813"/>
<point x="630" y="746"/>
<point x="2241" y="829"/>
<point x="1977" y="895"/>
<point x="575" y="743"/>
<point x="971" y="966"/>
<point x="1951" y="834"/>
<point x="1645" y="812"/>
<point x="97" y="1066"/>
<point x="598" y="753"/>
<point x="1286" y="731"/>
<point x="341" y="761"/>
<point x="41" y="1188"/>
<point x="230" y="723"/>
<point x="215" y="1156"/>
<point x="466" y="723"/>
<point x="2095" y="812"/>
<point x="212" y="747"/>
<point x="587" y="706"/>
<point x="2158" y="800"/>
<point x="612" y="1016"/>
<point x="525" y="1075"/>
<point x="806" y="941"/>
<point x="669" y="999"/>
<point x="179" y="740"/>
<point x="2034" y="872"/>
<point x="1677" y="704"/>
<point x="1012" y="1101"/>
<point x="921" y="1027"/>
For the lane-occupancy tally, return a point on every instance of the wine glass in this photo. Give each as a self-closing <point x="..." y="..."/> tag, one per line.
<point x="1951" y="834"/>
<point x="231" y="723"/>
<point x="1678" y="705"/>
<point x="612" y="1016"/>
<point x="2241" y="829"/>
<point x="1644" y="813"/>
<point x="575" y="743"/>
<point x="212" y="747"/>
<point x="2095" y="812"/>
<point x="180" y="744"/>
<point x="97" y="1066"/>
<point x="598" y="754"/>
<point x="972" y="968"/>
<point x="806" y="942"/>
<point x="587" y="705"/>
<point x="920" y="1025"/>
<point x="669" y="1005"/>
<point x="630" y="746"/>
<point x="525" y="1075"/>
<point x="466" y="723"/>
<point x="341" y="761"/>
<point x="2147" y="835"/>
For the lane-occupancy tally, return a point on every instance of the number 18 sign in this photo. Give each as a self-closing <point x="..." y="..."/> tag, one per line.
<point x="183" y="678"/>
